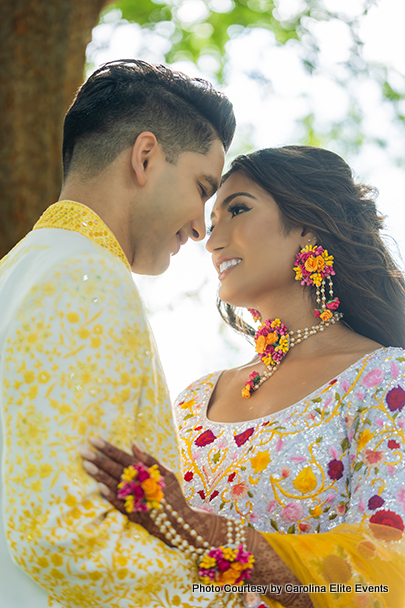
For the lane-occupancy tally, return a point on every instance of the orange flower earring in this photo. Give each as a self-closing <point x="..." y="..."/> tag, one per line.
<point x="314" y="265"/>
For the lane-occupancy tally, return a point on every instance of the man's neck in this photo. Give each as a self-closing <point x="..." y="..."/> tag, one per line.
<point x="101" y="200"/>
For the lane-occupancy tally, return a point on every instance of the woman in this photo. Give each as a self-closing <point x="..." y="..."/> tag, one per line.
<point x="307" y="439"/>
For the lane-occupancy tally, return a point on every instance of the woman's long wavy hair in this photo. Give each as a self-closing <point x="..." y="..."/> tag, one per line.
<point x="314" y="188"/>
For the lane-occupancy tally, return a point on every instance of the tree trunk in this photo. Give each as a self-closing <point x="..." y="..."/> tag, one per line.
<point x="42" y="57"/>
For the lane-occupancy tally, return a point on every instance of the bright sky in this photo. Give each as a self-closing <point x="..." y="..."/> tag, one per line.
<point x="191" y="339"/>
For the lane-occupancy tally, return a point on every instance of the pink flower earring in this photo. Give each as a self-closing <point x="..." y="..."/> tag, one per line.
<point x="313" y="265"/>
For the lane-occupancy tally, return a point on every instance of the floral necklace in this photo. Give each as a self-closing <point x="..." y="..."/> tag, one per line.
<point x="273" y="341"/>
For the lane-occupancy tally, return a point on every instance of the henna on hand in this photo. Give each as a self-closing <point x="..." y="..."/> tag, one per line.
<point x="107" y="465"/>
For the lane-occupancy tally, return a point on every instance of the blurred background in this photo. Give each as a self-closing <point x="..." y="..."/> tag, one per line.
<point x="319" y="72"/>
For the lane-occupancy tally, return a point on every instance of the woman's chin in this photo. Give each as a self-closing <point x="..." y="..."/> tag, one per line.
<point x="238" y="300"/>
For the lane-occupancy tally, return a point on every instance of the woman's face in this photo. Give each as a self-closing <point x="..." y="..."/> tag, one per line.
<point x="252" y="253"/>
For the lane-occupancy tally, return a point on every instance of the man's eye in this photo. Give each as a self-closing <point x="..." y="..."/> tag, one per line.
<point x="210" y="229"/>
<point x="203" y="191"/>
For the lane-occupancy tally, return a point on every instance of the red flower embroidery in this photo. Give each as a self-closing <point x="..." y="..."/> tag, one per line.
<point x="385" y="517"/>
<point x="189" y="476"/>
<point x="213" y="495"/>
<point x="335" y="469"/>
<point x="333" y="382"/>
<point x="243" y="437"/>
<point x="205" y="438"/>
<point x="375" y="502"/>
<point x="198" y="428"/>
<point x="395" y="399"/>
<point x="202" y="494"/>
<point x="392" y="444"/>
<point x="231" y="477"/>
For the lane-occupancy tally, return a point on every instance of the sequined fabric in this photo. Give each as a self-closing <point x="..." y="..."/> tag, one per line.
<point x="334" y="457"/>
<point x="77" y="358"/>
<point x="76" y="217"/>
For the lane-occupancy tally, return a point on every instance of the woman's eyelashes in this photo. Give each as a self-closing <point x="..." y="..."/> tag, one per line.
<point x="238" y="208"/>
<point x="234" y="209"/>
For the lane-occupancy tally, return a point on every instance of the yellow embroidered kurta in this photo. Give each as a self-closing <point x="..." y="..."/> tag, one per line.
<point x="78" y="359"/>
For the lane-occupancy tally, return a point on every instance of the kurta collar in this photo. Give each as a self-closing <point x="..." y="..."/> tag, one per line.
<point x="69" y="215"/>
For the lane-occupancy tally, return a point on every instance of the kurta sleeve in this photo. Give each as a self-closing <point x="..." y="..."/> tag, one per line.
<point x="361" y="563"/>
<point x="79" y="360"/>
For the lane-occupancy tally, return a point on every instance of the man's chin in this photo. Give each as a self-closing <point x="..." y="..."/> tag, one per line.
<point x="155" y="268"/>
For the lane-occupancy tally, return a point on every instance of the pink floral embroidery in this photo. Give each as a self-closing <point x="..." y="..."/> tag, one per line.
<point x="394" y="369"/>
<point x="379" y="421"/>
<point x="400" y="495"/>
<point x="373" y="378"/>
<point x="373" y="458"/>
<point x="254" y="517"/>
<point x="298" y="459"/>
<point x="285" y="472"/>
<point x="361" y="506"/>
<point x="292" y="511"/>
<point x="345" y="385"/>
<point x="391" y="470"/>
<point x="330" y="498"/>
<point x="392" y="444"/>
<point x="333" y="452"/>
<point x="304" y="526"/>
<point x="279" y="444"/>
<point x="239" y="490"/>
<point x="340" y="509"/>
<point x="360" y="396"/>
<point x="271" y="506"/>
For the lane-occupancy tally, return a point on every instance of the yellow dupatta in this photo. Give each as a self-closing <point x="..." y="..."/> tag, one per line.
<point x="353" y="566"/>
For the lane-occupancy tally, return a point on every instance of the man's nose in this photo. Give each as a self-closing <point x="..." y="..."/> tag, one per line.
<point x="198" y="228"/>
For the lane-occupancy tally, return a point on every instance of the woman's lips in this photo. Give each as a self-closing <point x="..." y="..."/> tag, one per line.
<point x="229" y="264"/>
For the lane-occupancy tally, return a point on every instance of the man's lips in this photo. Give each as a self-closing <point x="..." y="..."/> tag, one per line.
<point x="181" y="239"/>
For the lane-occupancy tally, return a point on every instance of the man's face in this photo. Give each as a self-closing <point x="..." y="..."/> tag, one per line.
<point x="171" y="209"/>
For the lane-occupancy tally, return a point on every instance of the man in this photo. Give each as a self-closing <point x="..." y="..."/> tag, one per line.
<point x="143" y="151"/>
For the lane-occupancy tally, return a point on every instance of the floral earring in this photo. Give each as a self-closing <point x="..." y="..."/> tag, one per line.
<point x="313" y="265"/>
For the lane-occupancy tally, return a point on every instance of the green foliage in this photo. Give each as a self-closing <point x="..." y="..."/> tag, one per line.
<point x="216" y="22"/>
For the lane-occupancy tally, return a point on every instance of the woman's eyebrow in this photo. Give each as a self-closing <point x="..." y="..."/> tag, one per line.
<point x="230" y="198"/>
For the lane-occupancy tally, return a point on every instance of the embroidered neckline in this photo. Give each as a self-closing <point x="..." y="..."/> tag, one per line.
<point x="69" y="215"/>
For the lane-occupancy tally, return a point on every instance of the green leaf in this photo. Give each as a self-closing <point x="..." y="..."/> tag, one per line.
<point x="345" y="444"/>
<point x="317" y="400"/>
<point x="221" y="506"/>
<point x="337" y="396"/>
<point x="358" y="466"/>
<point x="291" y="529"/>
<point x="216" y="457"/>
<point x="250" y="494"/>
<point x="274" y="525"/>
<point x="333" y="516"/>
<point x="318" y="440"/>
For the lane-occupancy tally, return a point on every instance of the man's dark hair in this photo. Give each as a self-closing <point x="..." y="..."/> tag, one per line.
<point x="124" y="98"/>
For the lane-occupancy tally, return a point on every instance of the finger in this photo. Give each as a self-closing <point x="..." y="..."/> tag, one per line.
<point x="101" y="462"/>
<point x="111" y="451"/>
<point x="101" y="476"/>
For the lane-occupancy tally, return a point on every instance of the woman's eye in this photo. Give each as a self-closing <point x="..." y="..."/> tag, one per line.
<point x="238" y="209"/>
<point x="210" y="229"/>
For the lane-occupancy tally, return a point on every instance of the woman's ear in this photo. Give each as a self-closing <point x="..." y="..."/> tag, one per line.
<point x="144" y="150"/>
<point x="308" y="237"/>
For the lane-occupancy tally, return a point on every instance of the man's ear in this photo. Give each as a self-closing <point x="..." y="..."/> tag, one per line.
<point x="144" y="150"/>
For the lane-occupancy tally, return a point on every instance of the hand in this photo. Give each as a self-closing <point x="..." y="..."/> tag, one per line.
<point x="106" y="467"/>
